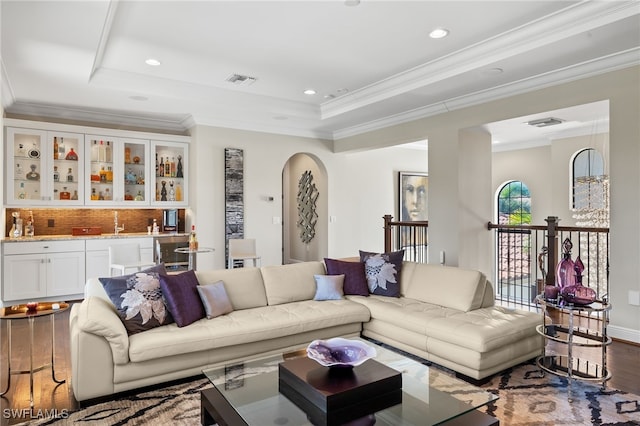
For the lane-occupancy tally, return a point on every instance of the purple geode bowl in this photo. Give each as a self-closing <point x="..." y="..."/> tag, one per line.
<point x="340" y="352"/>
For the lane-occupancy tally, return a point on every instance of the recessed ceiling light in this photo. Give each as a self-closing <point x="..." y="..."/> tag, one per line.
<point x="309" y="92"/>
<point x="492" y="71"/>
<point x="138" y="98"/>
<point x="439" y="33"/>
<point x="280" y="117"/>
<point x="152" y="62"/>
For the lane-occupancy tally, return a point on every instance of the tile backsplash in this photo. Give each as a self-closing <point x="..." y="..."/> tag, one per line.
<point x="134" y="220"/>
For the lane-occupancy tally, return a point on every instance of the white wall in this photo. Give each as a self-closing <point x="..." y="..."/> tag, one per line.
<point x="362" y="188"/>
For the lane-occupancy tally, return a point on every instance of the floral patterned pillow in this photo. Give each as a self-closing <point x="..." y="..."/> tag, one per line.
<point x="383" y="272"/>
<point x="138" y="299"/>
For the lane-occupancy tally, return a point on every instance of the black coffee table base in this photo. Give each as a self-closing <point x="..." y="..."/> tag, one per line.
<point x="214" y="408"/>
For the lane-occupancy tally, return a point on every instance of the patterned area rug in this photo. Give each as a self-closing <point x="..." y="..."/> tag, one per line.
<point x="526" y="398"/>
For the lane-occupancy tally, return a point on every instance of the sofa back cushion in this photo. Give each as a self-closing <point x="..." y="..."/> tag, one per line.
<point x="291" y="283"/>
<point x="244" y="286"/>
<point x="448" y="286"/>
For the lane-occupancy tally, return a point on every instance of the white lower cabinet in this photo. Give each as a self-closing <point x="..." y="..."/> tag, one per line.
<point x="98" y="253"/>
<point x="40" y="269"/>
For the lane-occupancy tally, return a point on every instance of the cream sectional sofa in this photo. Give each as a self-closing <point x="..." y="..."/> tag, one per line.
<point x="445" y="315"/>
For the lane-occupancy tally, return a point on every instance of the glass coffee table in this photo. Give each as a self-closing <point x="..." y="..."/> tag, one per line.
<point x="247" y="393"/>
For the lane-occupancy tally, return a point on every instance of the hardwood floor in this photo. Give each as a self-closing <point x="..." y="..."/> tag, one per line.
<point x="623" y="360"/>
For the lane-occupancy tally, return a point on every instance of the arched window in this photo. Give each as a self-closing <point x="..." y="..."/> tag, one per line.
<point x="588" y="181"/>
<point x="514" y="204"/>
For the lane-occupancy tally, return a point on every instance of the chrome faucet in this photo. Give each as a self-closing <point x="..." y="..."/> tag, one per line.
<point x="117" y="228"/>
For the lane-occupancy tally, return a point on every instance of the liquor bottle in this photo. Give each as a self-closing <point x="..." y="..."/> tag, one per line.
<point x="193" y="241"/>
<point x="101" y="152"/>
<point x="19" y="171"/>
<point x="94" y="195"/>
<point x="107" y="153"/>
<point x="22" y="194"/>
<point x="100" y="196"/>
<point x="109" y="174"/>
<point x="167" y="167"/>
<point x="107" y="194"/>
<point x="56" y="174"/>
<point x="103" y="174"/>
<point x="161" y="171"/>
<point x="127" y="155"/>
<point x="173" y="167"/>
<point x="139" y="196"/>
<point x="71" y="155"/>
<point x="61" y="148"/>
<point x="94" y="151"/>
<point x="178" y="193"/>
<point x="75" y="194"/>
<point x="55" y="148"/>
<point x="70" y="175"/>
<point x="157" y="165"/>
<point x="64" y="194"/>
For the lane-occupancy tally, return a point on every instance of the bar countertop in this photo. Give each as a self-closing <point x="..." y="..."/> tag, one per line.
<point x="89" y="237"/>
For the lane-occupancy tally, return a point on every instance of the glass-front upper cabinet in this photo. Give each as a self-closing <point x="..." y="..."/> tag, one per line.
<point x="46" y="167"/>
<point x="170" y="179"/>
<point x="118" y="171"/>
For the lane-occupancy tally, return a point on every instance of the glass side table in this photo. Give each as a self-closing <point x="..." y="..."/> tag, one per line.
<point x="192" y="254"/>
<point x="571" y="335"/>
<point x="23" y="312"/>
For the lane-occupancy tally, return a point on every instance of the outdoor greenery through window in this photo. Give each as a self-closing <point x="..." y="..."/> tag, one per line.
<point x="513" y="255"/>
<point x="514" y="204"/>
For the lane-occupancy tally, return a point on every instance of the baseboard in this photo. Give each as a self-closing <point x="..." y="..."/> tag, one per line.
<point x="623" y="333"/>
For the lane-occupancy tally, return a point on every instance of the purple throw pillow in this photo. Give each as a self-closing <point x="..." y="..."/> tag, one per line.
<point x="181" y="293"/>
<point x="383" y="272"/>
<point x="355" y="281"/>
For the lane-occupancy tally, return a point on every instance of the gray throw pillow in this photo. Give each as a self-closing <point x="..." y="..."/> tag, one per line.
<point x="329" y="287"/>
<point x="215" y="299"/>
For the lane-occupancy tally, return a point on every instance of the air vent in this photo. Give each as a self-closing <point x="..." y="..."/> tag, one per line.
<point x="241" y="80"/>
<point x="545" y="122"/>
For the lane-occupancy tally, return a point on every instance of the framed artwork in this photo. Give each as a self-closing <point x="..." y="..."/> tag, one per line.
<point x="413" y="199"/>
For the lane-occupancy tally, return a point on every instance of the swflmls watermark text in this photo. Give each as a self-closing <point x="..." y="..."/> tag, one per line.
<point x="31" y="414"/>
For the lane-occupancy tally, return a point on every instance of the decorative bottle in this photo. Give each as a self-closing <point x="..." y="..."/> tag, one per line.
<point x="70" y="175"/>
<point x="55" y="148"/>
<point x="107" y="152"/>
<point x="71" y="155"/>
<point x="61" y="149"/>
<point x="193" y="241"/>
<point x="179" y="172"/>
<point x="565" y="272"/>
<point x="56" y="174"/>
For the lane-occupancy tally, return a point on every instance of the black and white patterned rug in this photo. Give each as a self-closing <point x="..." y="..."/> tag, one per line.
<point x="525" y="398"/>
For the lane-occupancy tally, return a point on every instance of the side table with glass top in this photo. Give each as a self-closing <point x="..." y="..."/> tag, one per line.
<point x="22" y="312"/>
<point x="192" y="254"/>
<point x="574" y="335"/>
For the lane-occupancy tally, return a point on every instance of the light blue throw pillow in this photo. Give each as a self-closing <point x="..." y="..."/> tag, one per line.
<point x="329" y="287"/>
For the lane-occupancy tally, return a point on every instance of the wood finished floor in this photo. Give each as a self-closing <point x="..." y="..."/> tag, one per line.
<point x="623" y="361"/>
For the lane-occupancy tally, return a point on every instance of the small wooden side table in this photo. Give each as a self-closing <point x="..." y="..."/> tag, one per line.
<point x="21" y="312"/>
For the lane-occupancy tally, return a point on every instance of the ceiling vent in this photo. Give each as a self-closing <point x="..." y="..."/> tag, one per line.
<point x="241" y="80"/>
<point x="545" y="122"/>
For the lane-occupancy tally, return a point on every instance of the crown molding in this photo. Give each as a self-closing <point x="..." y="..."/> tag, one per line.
<point x="580" y="71"/>
<point x="568" y="22"/>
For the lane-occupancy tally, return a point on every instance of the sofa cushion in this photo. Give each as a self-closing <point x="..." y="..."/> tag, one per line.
<point x="244" y="286"/>
<point x="138" y="299"/>
<point x="181" y="294"/>
<point x="291" y="283"/>
<point x="383" y="272"/>
<point x="245" y="326"/>
<point x="355" y="280"/>
<point x="215" y="300"/>
<point x="447" y="286"/>
<point x="329" y="287"/>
